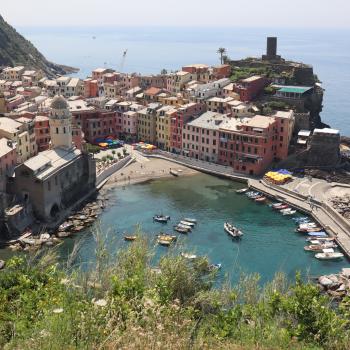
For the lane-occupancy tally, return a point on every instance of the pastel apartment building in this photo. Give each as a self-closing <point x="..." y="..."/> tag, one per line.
<point x="13" y="73"/>
<point x="251" y="145"/>
<point x="183" y="115"/>
<point x="42" y="132"/>
<point x="200" y="138"/>
<point x="218" y="104"/>
<point x="91" y="88"/>
<point x="8" y="161"/>
<point x="164" y="115"/>
<point x="146" y="123"/>
<point x="222" y="71"/>
<point x="129" y="121"/>
<point x="22" y="133"/>
<point x="198" y="71"/>
<point x="211" y="89"/>
<point x="176" y="82"/>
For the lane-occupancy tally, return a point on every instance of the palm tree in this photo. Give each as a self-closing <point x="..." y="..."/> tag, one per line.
<point x="221" y="51"/>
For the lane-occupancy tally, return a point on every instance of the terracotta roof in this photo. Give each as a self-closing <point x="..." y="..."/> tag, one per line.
<point x="152" y="91"/>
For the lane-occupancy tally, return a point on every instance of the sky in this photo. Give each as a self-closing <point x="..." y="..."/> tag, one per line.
<point x="222" y="13"/>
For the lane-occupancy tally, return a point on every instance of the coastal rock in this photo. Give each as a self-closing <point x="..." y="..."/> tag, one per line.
<point x="44" y="236"/>
<point x="346" y="272"/>
<point x="325" y="281"/>
<point x="341" y="288"/>
<point x="2" y="264"/>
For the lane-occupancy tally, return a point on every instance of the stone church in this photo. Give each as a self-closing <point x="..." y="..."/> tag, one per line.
<point x="55" y="179"/>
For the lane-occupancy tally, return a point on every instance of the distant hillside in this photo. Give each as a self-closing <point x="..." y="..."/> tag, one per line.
<point x="16" y="50"/>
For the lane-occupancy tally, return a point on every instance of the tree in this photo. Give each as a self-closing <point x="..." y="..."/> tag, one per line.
<point x="113" y="152"/>
<point x="221" y="51"/>
<point x="164" y="72"/>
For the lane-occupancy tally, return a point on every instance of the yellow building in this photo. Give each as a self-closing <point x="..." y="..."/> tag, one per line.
<point x="146" y="123"/>
<point x="163" y="123"/>
<point x="21" y="132"/>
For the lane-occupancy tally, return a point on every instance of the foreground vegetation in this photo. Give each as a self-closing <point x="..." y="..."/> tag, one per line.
<point x="124" y="303"/>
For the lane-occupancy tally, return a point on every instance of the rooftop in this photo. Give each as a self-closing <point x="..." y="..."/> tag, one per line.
<point x="79" y="106"/>
<point x="326" y="131"/>
<point x="48" y="162"/>
<point x="152" y="91"/>
<point x="260" y="121"/>
<point x="210" y="120"/>
<point x="9" y="125"/>
<point x="250" y="79"/>
<point x="295" y="89"/>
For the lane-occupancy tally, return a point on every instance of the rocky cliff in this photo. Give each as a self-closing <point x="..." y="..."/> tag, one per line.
<point x="16" y="50"/>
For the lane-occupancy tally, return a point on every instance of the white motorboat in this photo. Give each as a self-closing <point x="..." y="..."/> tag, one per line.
<point x="319" y="247"/>
<point x="161" y="218"/>
<point x="320" y="239"/>
<point x="288" y="211"/>
<point x="232" y="231"/>
<point x="329" y="254"/>
<point x="194" y="221"/>
<point x="185" y="227"/>
<point x="187" y="223"/>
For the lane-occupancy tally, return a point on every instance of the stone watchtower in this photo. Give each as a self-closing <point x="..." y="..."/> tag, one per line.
<point x="60" y="123"/>
<point x="271" y="50"/>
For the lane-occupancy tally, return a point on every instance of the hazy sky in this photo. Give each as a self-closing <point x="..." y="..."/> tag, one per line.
<point x="258" y="13"/>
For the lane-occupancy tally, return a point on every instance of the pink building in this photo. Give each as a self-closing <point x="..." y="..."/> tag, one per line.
<point x="183" y="115"/>
<point x="250" y="88"/>
<point x="42" y="132"/>
<point x="8" y="160"/>
<point x="252" y="145"/>
<point x="129" y="122"/>
<point x="91" y="88"/>
<point x="200" y="137"/>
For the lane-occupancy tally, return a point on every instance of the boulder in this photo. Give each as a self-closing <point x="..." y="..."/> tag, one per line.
<point x="324" y="281"/>
<point x="44" y="236"/>
<point x="2" y="264"/>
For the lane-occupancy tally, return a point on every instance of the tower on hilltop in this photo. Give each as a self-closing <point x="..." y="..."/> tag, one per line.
<point x="60" y="123"/>
<point x="271" y="50"/>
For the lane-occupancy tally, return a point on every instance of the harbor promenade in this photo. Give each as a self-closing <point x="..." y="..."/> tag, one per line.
<point x="309" y="198"/>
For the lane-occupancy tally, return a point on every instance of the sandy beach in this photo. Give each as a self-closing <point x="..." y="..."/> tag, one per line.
<point x="144" y="169"/>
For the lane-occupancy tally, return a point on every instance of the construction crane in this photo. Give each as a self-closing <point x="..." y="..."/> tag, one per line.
<point x="122" y="62"/>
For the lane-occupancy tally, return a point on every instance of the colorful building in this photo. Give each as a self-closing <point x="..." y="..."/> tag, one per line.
<point x="164" y="115"/>
<point x="184" y="114"/>
<point x="250" y="88"/>
<point x="8" y="161"/>
<point x="42" y="132"/>
<point x="146" y="123"/>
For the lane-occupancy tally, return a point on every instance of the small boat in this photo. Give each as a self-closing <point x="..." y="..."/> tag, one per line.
<point x="214" y="267"/>
<point x="164" y="243"/>
<point x="189" y="256"/>
<point x="193" y="221"/>
<point x="310" y="229"/>
<point x="303" y="219"/>
<point x="307" y="224"/>
<point x="174" y="172"/>
<point x="234" y="232"/>
<point x="260" y="199"/>
<point x="329" y="254"/>
<point x="161" y="218"/>
<point x="255" y="195"/>
<point x="281" y="207"/>
<point x="319" y="247"/>
<point x="320" y="239"/>
<point x="167" y="237"/>
<point x="181" y="230"/>
<point x="242" y="190"/>
<point x="273" y="205"/>
<point x="187" y="223"/>
<point x="130" y="238"/>
<point x="288" y="211"/>
<point x="317" y="234"/>
<point x="185" y="227"/>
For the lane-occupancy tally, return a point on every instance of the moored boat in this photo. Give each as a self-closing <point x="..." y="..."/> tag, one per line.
<point x="233" y="231"/>
<point x="288" y="211"/>
<point x="165" y="239"/>
<point x="194" y="221"/>
<point x="181" y="230"/>
<point x="282" y="206"/>
<point x="320" y="239"/>
<point x="161" y="218"/>
<point x="317" y="234"/>
<point x="319" y="247"/>
<point x="260" y="199"/>
<point x="242" y="190"/>
<point x="189" y="228"/>
<point x="329" y="254"/>
<point x="187" y="223"/>
<point x="130" y="238"/>
<point x="310" y="229"/>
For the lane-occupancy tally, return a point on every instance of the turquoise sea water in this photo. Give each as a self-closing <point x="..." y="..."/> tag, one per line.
<point x="152" y="48"/>
<point x="269" y="243"/>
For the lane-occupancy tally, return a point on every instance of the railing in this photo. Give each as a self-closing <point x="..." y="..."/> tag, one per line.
<point x="200" y="165"/>
<point x="111" y="170"/>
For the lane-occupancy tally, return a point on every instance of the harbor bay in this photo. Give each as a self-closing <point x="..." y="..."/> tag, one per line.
<point x="269" y="245"/>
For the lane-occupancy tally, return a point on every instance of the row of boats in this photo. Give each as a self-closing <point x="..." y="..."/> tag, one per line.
<point x="319" y="242"/>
